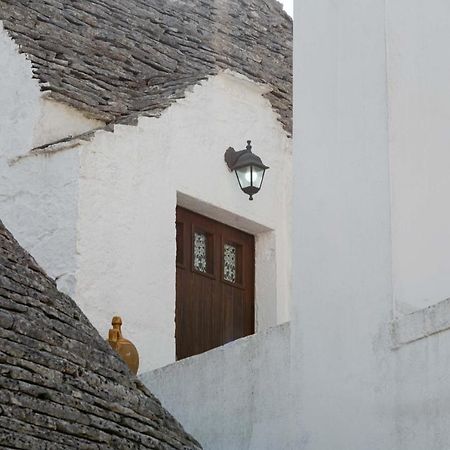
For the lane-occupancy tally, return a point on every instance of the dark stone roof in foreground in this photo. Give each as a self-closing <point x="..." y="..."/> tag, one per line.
<point x="119" y="59"/>
<point x="61" y="385"/>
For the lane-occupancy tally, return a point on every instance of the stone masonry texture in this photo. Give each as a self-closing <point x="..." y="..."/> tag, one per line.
<point x="61" y="385"/>
<point x="120" y="59"/>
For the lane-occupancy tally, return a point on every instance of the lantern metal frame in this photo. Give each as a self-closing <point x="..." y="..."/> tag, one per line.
<point x="237" y="160"/>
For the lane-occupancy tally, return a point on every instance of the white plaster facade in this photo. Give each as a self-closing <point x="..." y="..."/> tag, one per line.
<point x="238" y="395"/>
<point x="370" y="330"/>
<point x="419" y="113"/>
<point x="130" y="183"/>
<point x="372" y="107"/>
<point x="99" y="215"/>
<point x="38" y="196"/>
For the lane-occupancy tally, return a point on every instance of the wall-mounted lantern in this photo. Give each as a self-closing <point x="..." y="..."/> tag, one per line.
<point x="249" y="169"/>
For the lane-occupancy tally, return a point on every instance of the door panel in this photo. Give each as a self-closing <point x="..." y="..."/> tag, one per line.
<point x="214" y="284"/>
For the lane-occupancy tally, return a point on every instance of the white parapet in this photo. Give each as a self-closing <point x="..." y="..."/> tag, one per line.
<point x="232" y="397"/>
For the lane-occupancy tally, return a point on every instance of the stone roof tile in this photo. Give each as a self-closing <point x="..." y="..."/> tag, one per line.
<point x="61" y="384"/>
<point x="115" y="58"/>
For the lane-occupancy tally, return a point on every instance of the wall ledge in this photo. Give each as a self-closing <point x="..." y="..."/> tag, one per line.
<point x="230" y="348"/>
<point x="421" y="324"/>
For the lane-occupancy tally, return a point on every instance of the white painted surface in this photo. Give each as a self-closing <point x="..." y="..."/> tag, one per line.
<point x="100" y="216"/>
<point x="235" y="397"/>
<point x="421" y="383"/>
<point x="57" y="121"/>
<point x="19" y="99"/>
<point x="421" y="324"/>
<point x="39" y="204"/>
<point x="128" y="194"/>
<point x="342" y="248"/>
<point x="38" y="195"/>
<point x="27" y="118"/>
<point x="419" y="100"/>
<point x="353" y="390"/>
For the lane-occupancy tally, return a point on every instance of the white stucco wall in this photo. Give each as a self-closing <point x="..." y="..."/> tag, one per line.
<point x="131" y="182"/>
<point x="342" y="248"/>
<point x="99" y="216"/>
<point x="359" y="380"/>
<point x="19" y="100"/>
<point x="419" y="111"/>
<point x="58" y="121"/>
<point x="235" y="397"/>
<point x="38" y="195"/>
<point x="421" y="384"/>
<point x="38" y="204"/>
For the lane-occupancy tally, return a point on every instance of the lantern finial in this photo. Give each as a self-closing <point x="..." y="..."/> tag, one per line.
<point x="248" y="167"/>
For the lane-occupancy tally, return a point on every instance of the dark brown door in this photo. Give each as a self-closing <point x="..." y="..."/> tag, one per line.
<point x="215" y="284"/>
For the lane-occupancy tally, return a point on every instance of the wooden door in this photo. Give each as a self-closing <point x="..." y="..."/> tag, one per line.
<point x="214" y="284"/>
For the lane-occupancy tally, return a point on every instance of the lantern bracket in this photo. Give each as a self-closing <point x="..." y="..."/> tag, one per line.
<point x="245" y="159"/>
<point x="232" y="156"/>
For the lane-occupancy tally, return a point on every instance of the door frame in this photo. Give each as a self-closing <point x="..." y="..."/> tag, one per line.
<point x="211" y="311"/>
<point x="265" y="287"/>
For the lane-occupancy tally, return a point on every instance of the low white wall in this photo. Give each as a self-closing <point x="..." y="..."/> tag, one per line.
<point x="130" y="184"/>
<point x="420" y="385"/>
<point x="235" y="397"/>
<point x="419" y="117"/>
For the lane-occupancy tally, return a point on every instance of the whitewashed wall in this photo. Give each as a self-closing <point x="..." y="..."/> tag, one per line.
<point x="38" y="195"/>
<point x="342" y="265"/>
<point x="419" y="101"/>
<point x="100" y="217"/>
<point x="130" y="183"/>
<point x="235" y="397"/>
<point x="356" y="385"/>
<point x="19" y="100"/>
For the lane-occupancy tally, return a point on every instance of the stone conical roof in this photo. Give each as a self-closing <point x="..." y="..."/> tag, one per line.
<point x="61" y="385"/>
<point x="118" y="59"/>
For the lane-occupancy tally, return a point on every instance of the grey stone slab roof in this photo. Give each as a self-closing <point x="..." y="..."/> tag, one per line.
<point x="118" y="59"/>
<point x="61" y="385"/>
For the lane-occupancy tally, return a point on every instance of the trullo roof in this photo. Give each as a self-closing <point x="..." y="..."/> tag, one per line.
<point x="119" y="59"/>
<point x="61" y="385"/>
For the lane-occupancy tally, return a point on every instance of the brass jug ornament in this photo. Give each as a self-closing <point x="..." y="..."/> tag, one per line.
<point x="126" y="350"/>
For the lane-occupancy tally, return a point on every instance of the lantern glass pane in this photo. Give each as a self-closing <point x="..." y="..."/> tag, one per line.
<point x="257" y="175"/>
<point x="244" y="176"/>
